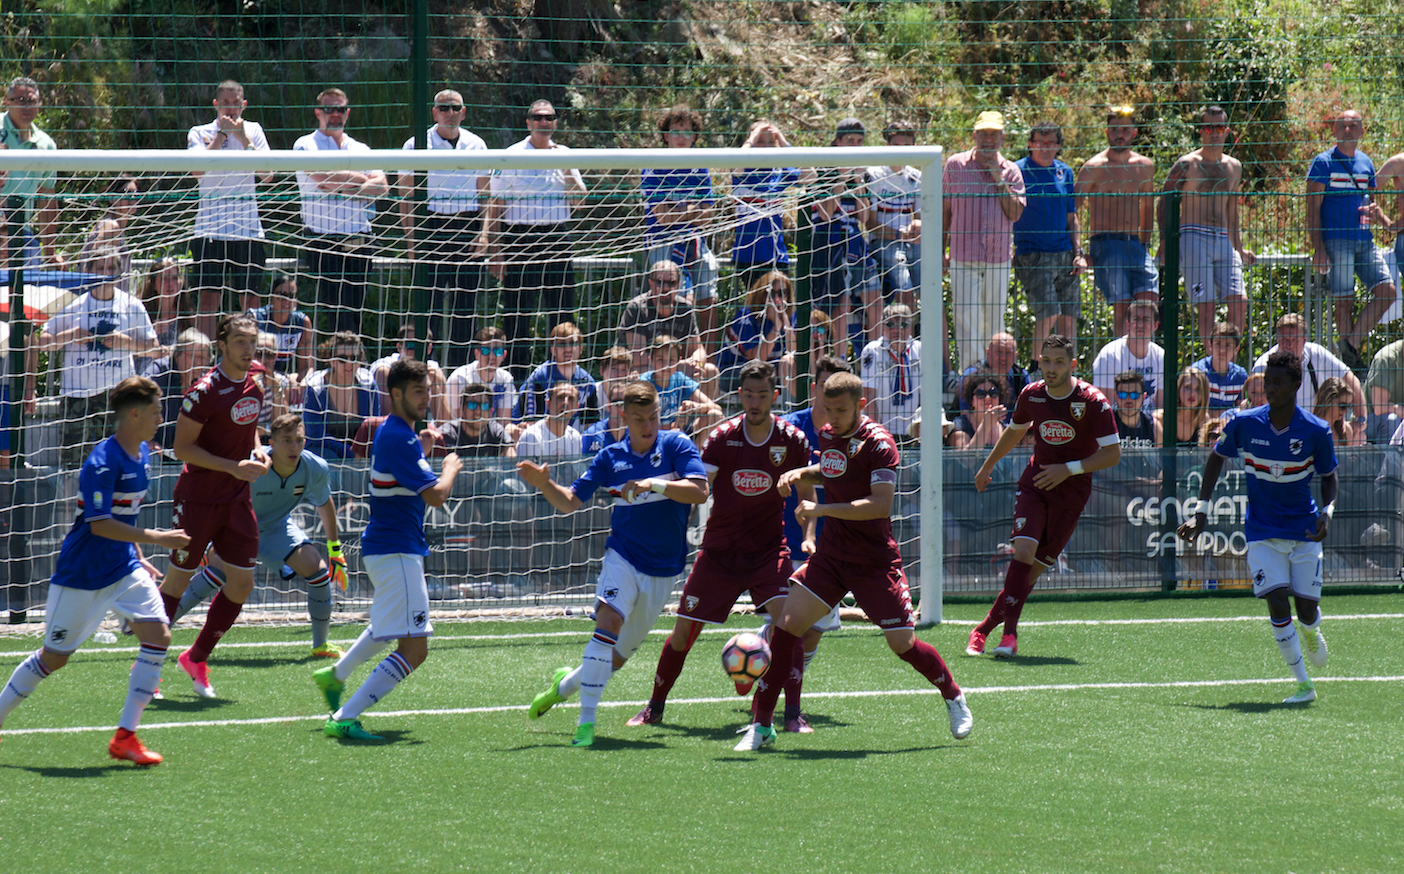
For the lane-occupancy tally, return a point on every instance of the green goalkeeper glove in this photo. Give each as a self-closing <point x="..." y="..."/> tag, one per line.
<point x="338" y="563"/>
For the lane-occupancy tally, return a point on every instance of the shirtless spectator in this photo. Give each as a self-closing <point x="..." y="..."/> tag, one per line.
<point x="1391" y="178"/>
<point x="1212" y="256"/>
<point x="1117" y="184"/>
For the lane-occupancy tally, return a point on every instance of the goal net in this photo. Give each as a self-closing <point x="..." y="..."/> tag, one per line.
<point x="511" y="272"/>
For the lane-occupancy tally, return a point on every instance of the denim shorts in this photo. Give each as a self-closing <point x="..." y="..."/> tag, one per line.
<point x="1352" y="258"/>
<point x="1121" y="267"/>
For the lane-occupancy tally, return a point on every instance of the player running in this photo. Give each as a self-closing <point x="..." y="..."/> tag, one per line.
<point x="744" y="545"/>
<point x="393" y="548"/>
<point x="216" y="435"/>
<point x="296" y="475"/>
<point x="1075" y="436"/>
<point x="1282" y="447"/>
<point x="101" y="568"/>
<point x="654" y="476"/>
<point x="858" y="468"/>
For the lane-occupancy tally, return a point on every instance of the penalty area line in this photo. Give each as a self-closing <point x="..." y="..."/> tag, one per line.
<point x="470" y="711"/>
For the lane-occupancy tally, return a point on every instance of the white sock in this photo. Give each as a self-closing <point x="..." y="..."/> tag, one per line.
<point x="363" y="650"/>
<point x="569" y="684"/>
<point x="381" y="682"/>
<point x="809" y="657"/>
<point x="23" y="681"/>
<point x="1313" y="626"/>
<point x="595" y="669"/>
<point x="1291" y="646"/>
<point x="146" y="674"/>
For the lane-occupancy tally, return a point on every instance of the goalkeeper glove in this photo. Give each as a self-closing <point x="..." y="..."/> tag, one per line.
<point x="338" y="563"/>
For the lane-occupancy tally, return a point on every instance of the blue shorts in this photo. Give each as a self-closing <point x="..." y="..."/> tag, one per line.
<point x="1352" y="258"/>
<point x="1121" y="267"/>
<point x="278" y="542"/>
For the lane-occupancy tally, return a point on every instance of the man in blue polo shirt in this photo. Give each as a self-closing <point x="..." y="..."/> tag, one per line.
<point x="1339" y="216"/>
<point x="654" y="477"/>
<point x="1047" y="257"/>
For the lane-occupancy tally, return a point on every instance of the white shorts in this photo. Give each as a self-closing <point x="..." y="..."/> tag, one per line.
<point x="72" y="615"/>
<point x="400" y="606"/>
<point x="831" y="621"/>
<point x="1276" y="563"/>
<point x="635" y="595"/>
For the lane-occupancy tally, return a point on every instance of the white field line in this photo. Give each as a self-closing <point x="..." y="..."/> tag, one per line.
<point x="732" y="629"/>
<point x="468" y="711"/>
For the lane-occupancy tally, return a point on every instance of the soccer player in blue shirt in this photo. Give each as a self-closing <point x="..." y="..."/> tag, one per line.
<point x="1282" y="447"/>
<point x="393" y="548"/>
<point x="296" y="475"/>
<point x="101" y="568"/>
<point x="654" y="477"/>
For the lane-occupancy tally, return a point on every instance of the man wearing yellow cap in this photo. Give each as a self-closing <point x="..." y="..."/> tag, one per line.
<point x="983" y="195"/>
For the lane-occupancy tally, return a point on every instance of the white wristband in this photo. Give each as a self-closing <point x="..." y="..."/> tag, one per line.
<point x="1074" y="467"/>
<point x="658" y="486"/>
<point x="1328" y="511"/>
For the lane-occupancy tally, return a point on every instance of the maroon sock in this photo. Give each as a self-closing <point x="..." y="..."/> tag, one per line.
<point x="220" y="618"/>
<point x="1017" y="587"/>
<point x="172" y="602"/>
<point x="795" y="680"/>
<point x="994" y="617"/>
<point x="783" y="646"/>
<point x="670" y="665"/>
<point x="928" y="662"/>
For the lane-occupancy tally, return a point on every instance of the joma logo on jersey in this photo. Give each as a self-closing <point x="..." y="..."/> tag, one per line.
<point x="245" y="411"/>
<point x="833" y="463"/>
<point x="751" y="482"/>
<point x="1056" y="432"/>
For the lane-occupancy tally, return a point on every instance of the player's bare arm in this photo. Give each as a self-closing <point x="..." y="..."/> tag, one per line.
<point x="1212" y="468"/>
<point x="113" y="529"/>
<point x="185" y="448"/>
<point x="877" y="505"/>
<point x="538" y="476"/>
<point x="1051" y="475"/>
<point x="439" y="492"/>
<point x="799" y="477"/>
<point x="1007" y="441"/>
<point x="1328" y="508"/>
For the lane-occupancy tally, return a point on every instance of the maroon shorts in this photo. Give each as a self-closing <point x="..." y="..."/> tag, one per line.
<point x="232" y="528"/>
<point x="881" y="590"/>
<point x="719" y="578"/>
<point x="1050" y="522"/>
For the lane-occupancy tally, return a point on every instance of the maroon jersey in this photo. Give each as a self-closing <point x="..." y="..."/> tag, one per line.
<point x="748" y="513"/>
<point x="228" y="410"/>
<point x="851" y="465"/>
<point x="1066" y="429"/>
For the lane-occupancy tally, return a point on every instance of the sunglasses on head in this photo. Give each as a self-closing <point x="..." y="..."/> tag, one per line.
<point x="1129" y="395"/>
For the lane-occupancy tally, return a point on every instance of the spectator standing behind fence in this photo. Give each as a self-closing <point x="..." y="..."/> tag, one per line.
<point x="1226" y="375"/>
<point x="475" y="434"/>
<point x="982" y="196"/>
<point x="610" y="428"/>
<point x="338" y="399"/>
<point x="1048" y="255"/>
<point x="409" y="348"/>
<point x="682" y="405"/>
<point x="489" y="355"/>
<point x="841" y="269"/>
<point x="1212" y="256"/>
<point x="552" y="436"/>
<point x="35" y="189"/>
<point x="1391" y="178"/>
<point x="1137" y="428"/>
<point x="891" y="372"/>
<point x="227" y="248"/>
<point x="111" y="230"/>
<point x="759" y="242"/>
<point x="763" y="330"/>
<point x="163" y="295"/>
<point x="278" y="388"/>
<point x="1318" y="364"/>
<point x="1339" y="216"/>
<point x="529" y="238"/>
<point x="448" y="240"/>
<point x="662" y="310"/>
<point x="337" y="209"/>
<point x="99" y="335"/>
<point x="679" y="204"/>
<point x="192" y="355"/>
<point x="894" y="218"/>
<point x="1134" y="350"/>
<point x="290" y="325"/>
<point x="1117" y="184"/>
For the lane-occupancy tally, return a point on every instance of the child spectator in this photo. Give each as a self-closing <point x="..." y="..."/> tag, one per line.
<point x="1226" y="376"/>
<point x="566" y="344"/>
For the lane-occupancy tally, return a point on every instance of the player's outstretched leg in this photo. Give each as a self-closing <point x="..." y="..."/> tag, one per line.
<point x="205" y="584"/>
<point x="25" y="679"/>
<point x="392" y="670"/>
<point x="553" y="694"/>
<point x="332" y="679"/>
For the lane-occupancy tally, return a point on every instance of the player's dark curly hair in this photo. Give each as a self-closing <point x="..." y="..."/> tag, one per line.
<point x="754" y="369"/>
<point x="1287" y="361"/>
<point x="405" y="371"/>
<point x="134" y="391"/>
<point x="235" y="323"/>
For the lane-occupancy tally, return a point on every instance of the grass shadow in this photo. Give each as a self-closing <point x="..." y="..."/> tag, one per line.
<point x="832" y="755"/>
<point x="1038" y="661"/>
<point x="387" y="737"/>
<point x="1249" y="706"/>
<point x="74" y="773"/>
<point x="193" y="704"/>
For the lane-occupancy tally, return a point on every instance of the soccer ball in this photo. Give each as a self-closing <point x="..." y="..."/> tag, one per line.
<point x="746" y="657"/>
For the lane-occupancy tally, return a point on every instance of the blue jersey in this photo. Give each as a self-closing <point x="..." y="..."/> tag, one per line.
<point x="398" y="473"/>
<point x="673" y="186"/>
<point x="671" y="396"/>
<point x="794" y="534"/>
<point x="760" y="202"/>
<point x="1224" y="388"/>
<point x="1280" y="466"/>
<point x="111" y="485"/>
<point x="274" y="497"/>
<point x="1348" y="182"/>
<point x="1043" y="227"/>
<point x="650" y="533"/>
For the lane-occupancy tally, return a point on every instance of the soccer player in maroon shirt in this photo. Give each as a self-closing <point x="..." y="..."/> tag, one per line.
<point x="1075" y="435"/>
<point x="856" y="552"/>
<point x="744" y="546"/>
<point x="216" y="435"/>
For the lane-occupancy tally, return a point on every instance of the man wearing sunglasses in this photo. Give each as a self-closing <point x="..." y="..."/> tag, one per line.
<point x="448" y="238"/>
<point x="1212" y="256"/>
<point x="337" y="209"/>
<point x="660" y="310"/>
<point x="36" y="188"/>
<point x="529" y="238"/>
<point x="489" y="356"/>
<point x="1137" y="429"/>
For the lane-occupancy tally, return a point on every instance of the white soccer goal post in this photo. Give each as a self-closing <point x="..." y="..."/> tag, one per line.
<point x="497" y="548"/>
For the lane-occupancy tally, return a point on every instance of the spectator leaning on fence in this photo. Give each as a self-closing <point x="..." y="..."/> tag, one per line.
<point x="1117" y="184"/>
<point x="448" y="240"/>
<point x="1212" y="256"/>
<point x="227" y="247"/>
<point x="1339" y="216"/>
<point x="1318" y="364"/>
<point x="1048" y="257"/>
<point x="337" y="209"/>
<point x="35" y="189"/>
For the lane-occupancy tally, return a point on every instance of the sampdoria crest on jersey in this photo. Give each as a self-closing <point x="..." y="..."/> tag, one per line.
<point x="777" y="455"/>
<point x="1295" y="445"/>
<point x="1079" y="409"/>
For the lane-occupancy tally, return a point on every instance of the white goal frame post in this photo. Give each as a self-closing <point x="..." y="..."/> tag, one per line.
<point x="929" y="160"/>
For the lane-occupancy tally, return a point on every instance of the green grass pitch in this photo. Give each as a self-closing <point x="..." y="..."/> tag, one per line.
<point x="1128" y="736"/>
